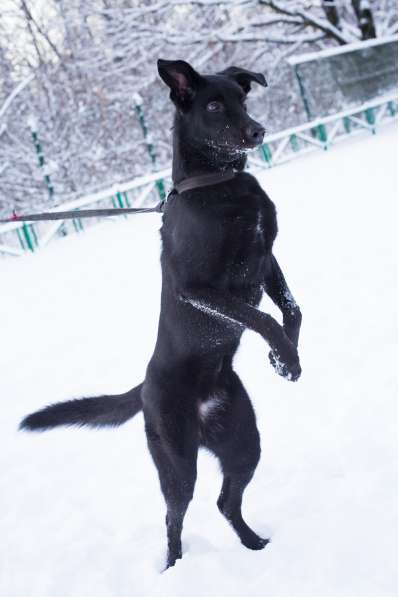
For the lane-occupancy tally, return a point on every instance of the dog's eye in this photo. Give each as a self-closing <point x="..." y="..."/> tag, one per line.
<point x="215" y="107"/>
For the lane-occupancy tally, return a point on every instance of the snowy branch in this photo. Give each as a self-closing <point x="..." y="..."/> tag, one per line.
<point x="75" y="65"/>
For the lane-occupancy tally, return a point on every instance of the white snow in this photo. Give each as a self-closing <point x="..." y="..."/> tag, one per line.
<point x="210" y="311"/>
<point x="81" y="513"/>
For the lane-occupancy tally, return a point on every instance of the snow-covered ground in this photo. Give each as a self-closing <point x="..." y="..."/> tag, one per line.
<point x="81" y="512"/>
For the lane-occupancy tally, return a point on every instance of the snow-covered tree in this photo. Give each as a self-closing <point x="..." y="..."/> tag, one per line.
<point x="71" y="71"/>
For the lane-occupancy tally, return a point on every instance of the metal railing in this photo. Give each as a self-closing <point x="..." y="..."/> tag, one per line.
<point x="18" y="238"/>
<point x="323" y="133"/>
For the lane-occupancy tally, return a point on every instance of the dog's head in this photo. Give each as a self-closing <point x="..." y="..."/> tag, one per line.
<point x="211" y="109"/>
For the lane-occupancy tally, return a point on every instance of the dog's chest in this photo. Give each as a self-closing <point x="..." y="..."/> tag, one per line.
<point x="258" y="233"/>
<point x="222" y="240"/>
<point x="245" y="238"/>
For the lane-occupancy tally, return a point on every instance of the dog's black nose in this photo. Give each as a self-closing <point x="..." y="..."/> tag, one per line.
<point x="255" y="133"/>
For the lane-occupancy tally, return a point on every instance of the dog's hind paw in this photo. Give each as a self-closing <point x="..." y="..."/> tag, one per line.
<point x="172" y="559"/>
<point x="253" y="541"/>
<point x="256" y="545"/>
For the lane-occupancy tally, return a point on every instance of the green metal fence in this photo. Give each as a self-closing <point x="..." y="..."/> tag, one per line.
<point x="321" y="134"/>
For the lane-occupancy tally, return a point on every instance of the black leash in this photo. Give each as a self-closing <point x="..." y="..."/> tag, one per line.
<point x="187" y="184"/>
<point x="81" y="213"/>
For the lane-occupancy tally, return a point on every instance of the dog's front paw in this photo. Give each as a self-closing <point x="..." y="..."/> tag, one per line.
<point x="289" y="368"/>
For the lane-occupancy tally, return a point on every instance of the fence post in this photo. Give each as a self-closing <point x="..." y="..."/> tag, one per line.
<point x="32" y="122"/>
<point x="265" y="153"/>
<point x="302" y="92"/>
<point x="151" y="151"/>
<point x="126" y="199"/>
<point x="21" y="239"/>
<point x="294" y="142"/>
<point x="322" y="134"/>
<point x="347" y="124"/>
<point x="78" y="225"/>
<point x="391" y="108"/>
<point x="370" y="118"/>
<point x="120" y="201"/>
<point x="27" y="236"/>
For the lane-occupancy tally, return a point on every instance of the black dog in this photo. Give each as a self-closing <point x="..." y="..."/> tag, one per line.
<point x="218" y="230"/>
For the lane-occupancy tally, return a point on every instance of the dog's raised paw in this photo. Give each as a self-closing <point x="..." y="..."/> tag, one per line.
<point x="290" y="373"/>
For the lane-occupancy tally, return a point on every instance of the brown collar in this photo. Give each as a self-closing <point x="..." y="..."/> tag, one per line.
<point x="203" y="180"/>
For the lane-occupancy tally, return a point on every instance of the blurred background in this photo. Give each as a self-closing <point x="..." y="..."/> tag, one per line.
<point x="82" y="107"/>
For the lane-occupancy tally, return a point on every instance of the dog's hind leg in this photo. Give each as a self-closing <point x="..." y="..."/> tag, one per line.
<point x="172" y="436"/>
<point x="233" y="437"/>
<point x="230" y="503"/>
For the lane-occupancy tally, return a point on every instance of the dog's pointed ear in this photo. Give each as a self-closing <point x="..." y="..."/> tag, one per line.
<point x="244" y="77"/>
<point x="182" y="79"/>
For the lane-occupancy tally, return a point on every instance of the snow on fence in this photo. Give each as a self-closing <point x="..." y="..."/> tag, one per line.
<point x="18" y="238"/>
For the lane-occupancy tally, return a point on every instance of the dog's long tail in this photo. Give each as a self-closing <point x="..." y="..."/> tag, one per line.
<point x="102" y="411"/>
